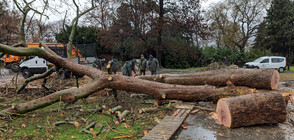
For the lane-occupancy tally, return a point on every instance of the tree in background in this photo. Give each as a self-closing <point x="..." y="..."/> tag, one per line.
<point x="234" y="22"/>
<point x="9" y="30"/>
<point x="277" y="32"/>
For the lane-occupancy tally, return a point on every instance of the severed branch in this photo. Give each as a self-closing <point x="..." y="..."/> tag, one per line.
<point x="44" y="75"/>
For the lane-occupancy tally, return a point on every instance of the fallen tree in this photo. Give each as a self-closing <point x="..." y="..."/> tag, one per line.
<point x="159" y="91"/>
<point x="263" y="79"/>
<point x="252" y="109"/>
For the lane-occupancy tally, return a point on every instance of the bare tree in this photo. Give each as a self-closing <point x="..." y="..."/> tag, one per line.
<point x="9" y="31"/>
<point x="235" y="22"/>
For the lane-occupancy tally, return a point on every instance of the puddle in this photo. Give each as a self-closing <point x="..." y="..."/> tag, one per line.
<point x="203" y="127"/>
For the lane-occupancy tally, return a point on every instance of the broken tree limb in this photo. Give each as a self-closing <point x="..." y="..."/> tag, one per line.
<point x="100" y="81"/>
<point x="91" y="125"/>
<point x="44" y="75"/>
<point x="147" y="110"/>
<point x="252" y="109"/>
<point x="263" y="79"/>
<point x="75" y="123"/>
<point x="115" y="109"/>
<point x="123" y="115"/>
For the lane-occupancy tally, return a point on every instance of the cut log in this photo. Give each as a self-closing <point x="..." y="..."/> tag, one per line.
<point x="252" y="109"/>
<point x="262" y="79"/>
<point x="146" y="110"/>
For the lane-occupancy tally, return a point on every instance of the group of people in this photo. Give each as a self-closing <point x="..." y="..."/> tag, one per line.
<point x="143" y="64"/>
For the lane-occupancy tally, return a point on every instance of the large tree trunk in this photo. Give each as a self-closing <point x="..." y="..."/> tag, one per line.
<point x="252" y="109"/>
<point x="263" y="79"/>
<point x="159" y="91"/>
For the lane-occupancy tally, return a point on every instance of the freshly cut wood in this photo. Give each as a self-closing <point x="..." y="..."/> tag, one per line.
<point x="263" y="79"/>
<point x="252" y="109"/>
<point x="146" y="110"/>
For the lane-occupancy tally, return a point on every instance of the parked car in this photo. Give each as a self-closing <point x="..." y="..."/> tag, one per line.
<point x="268" y="62"/>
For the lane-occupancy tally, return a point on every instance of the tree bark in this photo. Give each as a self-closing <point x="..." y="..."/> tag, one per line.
<point x="252" y="109"/>
<point x="262" y="79"/>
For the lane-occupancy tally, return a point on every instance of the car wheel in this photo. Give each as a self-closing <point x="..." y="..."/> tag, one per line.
<point x="26" y="73"/>
<point x="281" y="70"/>
<point x="14" y="67"/>
<point x="256" y="67"/>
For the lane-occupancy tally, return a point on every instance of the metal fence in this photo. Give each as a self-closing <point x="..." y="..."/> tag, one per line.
<point x="86" y="50"/>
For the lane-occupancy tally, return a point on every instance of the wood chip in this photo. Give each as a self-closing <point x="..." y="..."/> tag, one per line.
<point x="184" y="126"/>
<point x="76" y="124"/>
<point x="194" y="111"/>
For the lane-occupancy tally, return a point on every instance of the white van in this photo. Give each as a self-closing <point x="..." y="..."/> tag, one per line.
<point x="268" y="62"/>
<point x="33" y="65"/>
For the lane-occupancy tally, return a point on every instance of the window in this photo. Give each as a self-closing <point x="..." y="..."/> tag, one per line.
<point x="265" y="61"/>
<point x="277" y="60"/>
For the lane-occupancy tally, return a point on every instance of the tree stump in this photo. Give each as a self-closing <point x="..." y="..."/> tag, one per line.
<point x="252" y="109"/>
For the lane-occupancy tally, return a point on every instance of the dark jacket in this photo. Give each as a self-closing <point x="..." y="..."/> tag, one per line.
<point x="127" y="68"/>
<point x="114" y="65"/>
<point x="153" y="64"/>
<point x="143" y="64"/>
<point x="97" y="64"/>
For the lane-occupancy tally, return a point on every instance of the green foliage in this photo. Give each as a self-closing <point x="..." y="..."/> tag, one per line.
<point x="178" y="52"/>
<point x="83" y="35"/>
<point x="210" y="54"/>
<point x="216" y="54"/>
<point x="277" y="32"/>
<point x="176" y="62"/>
<point x="256" y="53"/>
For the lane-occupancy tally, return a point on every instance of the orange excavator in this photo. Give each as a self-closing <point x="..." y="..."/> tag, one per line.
<point x="12" y="62"/>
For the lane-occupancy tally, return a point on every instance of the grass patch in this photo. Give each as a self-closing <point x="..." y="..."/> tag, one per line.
<point x="25" y="126"/>
<point x="291" y="68"/>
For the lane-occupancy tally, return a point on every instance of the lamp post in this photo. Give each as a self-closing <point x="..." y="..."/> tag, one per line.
<point x="121" y="44"/>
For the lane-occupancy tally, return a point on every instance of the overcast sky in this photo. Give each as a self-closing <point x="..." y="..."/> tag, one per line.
<point x="71" y="9"/>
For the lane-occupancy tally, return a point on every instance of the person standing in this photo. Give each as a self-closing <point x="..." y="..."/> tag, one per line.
<point x="225" y="60"/>
<point x="143" y="65"/>
<point x="153" y="64"/>
<point x="114" y="65"/>
<point x="128" y="67"/>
